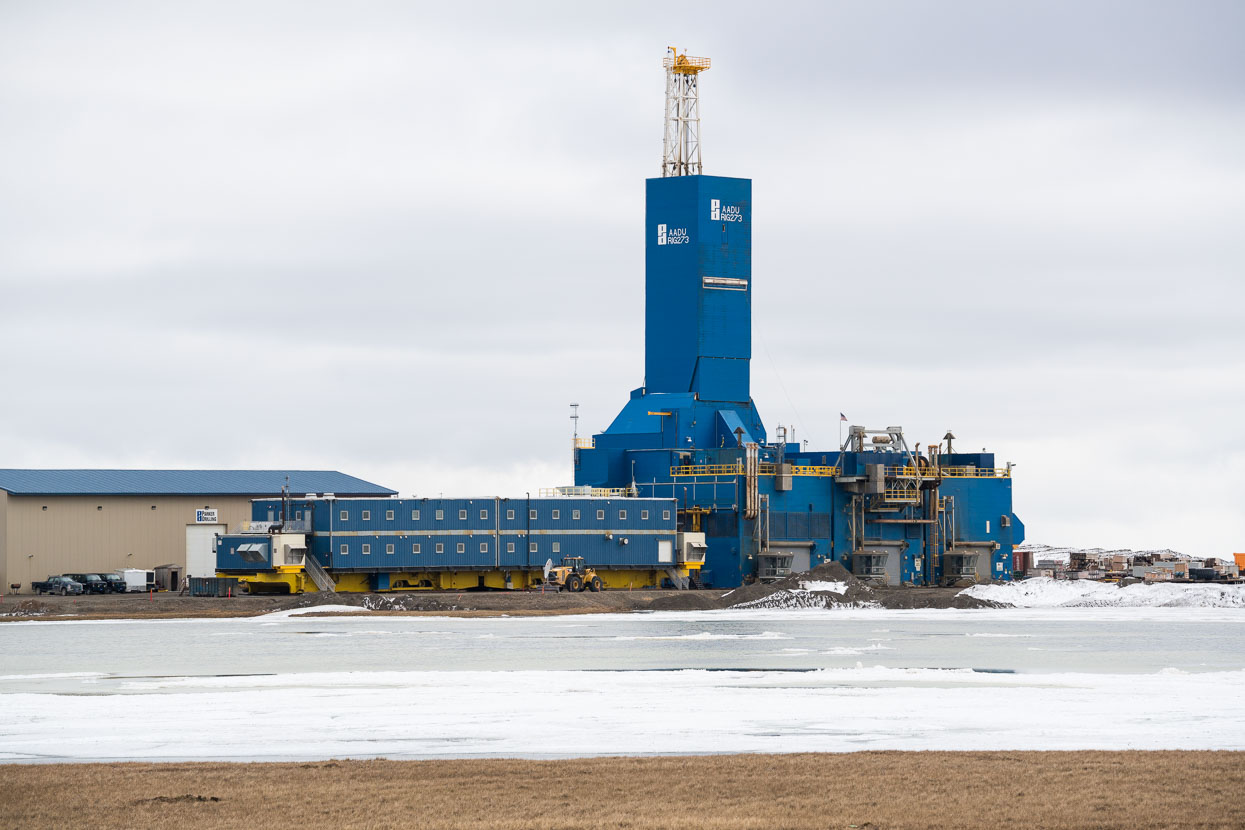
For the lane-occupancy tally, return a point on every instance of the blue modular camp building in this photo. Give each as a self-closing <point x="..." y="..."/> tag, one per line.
<point x="396" y="544"/>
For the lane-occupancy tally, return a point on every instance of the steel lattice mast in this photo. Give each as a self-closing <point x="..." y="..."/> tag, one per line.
<point x="681" y="145"/>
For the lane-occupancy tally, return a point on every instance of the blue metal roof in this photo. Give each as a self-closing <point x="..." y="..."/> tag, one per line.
<point x="183" y="483"/>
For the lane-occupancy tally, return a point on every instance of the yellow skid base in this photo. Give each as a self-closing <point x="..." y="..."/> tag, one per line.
<point x="297" y="581"/>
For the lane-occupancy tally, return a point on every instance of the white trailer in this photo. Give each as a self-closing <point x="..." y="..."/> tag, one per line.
<point x="137" y="580"/>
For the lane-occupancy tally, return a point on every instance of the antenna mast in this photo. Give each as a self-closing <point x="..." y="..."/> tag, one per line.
<point x="681" y="145"/>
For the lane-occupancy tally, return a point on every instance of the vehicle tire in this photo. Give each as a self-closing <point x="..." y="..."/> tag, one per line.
<point x="595" y="584"/>
<point x="64" y="591"/>
<point x="574" y="583"/>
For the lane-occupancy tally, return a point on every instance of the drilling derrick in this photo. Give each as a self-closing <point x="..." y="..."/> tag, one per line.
<point x="681" y="145"/>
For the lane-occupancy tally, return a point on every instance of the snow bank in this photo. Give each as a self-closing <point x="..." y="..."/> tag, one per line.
<point x="1045" y="592"/>
<point x="312" y="609"/>
<point x="822" y="586"/>
<point x="794" y="598"/>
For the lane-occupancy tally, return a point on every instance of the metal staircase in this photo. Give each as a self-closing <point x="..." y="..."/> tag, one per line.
<point x="318" y="575"/>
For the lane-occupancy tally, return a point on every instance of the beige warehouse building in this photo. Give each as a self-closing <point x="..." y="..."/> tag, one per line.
<point x="96" y="521"/>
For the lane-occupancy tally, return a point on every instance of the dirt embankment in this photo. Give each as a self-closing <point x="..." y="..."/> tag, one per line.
<point x="464" y="603"/>
<point x="826" y="586"/>
<point x="1135" y="790"/>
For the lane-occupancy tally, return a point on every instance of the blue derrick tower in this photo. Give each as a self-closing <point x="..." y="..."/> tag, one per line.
<point x="692" y="432"/>
<point x="769" y="507"/>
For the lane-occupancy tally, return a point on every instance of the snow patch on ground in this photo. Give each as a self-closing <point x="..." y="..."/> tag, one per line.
<point x="312" y="609"/>
<point x="823" y="586"/>
<point x="803" y="599"/>
<point x="1044" y="592"/>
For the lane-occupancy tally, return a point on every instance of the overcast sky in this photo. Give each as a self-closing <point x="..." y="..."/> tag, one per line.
<point x="397" y="239"/>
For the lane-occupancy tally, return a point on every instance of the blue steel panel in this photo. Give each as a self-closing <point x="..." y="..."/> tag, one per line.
<point x="228" y="559"/>
<point x="697" y="227"/>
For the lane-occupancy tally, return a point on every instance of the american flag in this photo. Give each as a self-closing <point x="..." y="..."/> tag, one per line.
<point x="842" y="417"/>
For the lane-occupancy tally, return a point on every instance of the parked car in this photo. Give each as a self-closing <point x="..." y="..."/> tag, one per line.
<point x="116" y="582"/>
<point x="62" y="585"/>
<point x="91" y="582"/>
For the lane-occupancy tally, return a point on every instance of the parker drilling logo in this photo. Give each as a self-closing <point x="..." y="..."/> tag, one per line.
<point x="671" y="236"/>
<point x="728" y="213"/>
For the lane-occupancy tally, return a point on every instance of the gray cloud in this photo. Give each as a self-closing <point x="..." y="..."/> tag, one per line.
<point x="399" y="238"/>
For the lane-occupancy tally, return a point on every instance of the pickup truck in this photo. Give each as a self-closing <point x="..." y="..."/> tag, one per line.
<point x="91" y="583"/>
<point x="62" y="585"/>
<point x="116" y="583"/>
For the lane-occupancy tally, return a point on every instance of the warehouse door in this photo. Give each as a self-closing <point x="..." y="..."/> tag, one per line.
<point x="201" y="549"/>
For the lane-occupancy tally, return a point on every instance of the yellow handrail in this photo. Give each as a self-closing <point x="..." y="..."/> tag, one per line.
<point x="975" y="472"/>
<point x="686" y="64"/>
<point x="584" y="443"/>
<point x="948" y="472"/>
<point x="762" y="469"/>
<point x="820" y="472"/>
<point x="829" y="472"/>
<point x="707" y="470"/>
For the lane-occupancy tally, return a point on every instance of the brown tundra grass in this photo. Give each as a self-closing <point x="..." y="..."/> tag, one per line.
<point x="859" y="790"/>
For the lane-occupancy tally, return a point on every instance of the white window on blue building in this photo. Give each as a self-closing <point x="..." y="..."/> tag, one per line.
<point x="622" y="515"/>
<point x="415" y="548"/>
<point x="367" y="515"/>
<point x="414" y="515"/>
<point x="440" y="547"/>
<point x="531" y="547"/>
<point x="367" y="549"/>
<point x="345" y="550"/>
<point x="557" y="514"/>
<point x="510" y="547"/>
<point x="440" y="515"/>
<point x="557" y="547"/>
<point x="345" y="516"/>
<point x="462" y="515"/>
<point x="389" y="549"/>
<point x="575" y="515"/>
<point x="510" y="514"/>
<point x="600" y="515"/>
<point x="531" y="514"/>
<point x="484" y="547"/>
<point x="389" y="515"/>
<point x="484" y="515"/>
<point x="462" y="547"/>
<point x="644" y="515"/>
<point x="665" y="515"/>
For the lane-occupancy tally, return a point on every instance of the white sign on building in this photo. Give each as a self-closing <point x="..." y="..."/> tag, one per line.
<point x="205" y="517"/>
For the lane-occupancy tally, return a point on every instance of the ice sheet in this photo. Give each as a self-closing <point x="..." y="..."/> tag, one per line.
<point x="465" y="714"/>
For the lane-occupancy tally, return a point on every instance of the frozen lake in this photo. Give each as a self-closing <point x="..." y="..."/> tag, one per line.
<point x="294" y="688"/>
